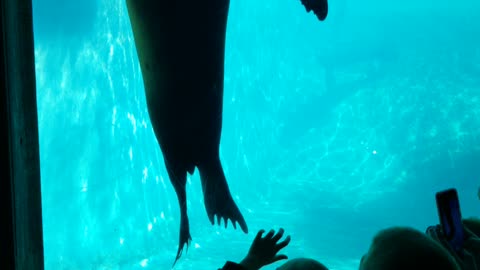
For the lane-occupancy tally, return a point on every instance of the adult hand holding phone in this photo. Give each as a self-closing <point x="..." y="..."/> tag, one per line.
<point x="452" y="232"/>
<point x="469" y="258"/>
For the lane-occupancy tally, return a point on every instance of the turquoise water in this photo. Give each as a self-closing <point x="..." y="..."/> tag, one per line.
<point x="332" y="130"/>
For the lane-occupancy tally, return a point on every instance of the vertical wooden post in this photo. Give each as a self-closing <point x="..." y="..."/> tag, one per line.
<point x="6" y="229"/>
<point x="20" y="190"/>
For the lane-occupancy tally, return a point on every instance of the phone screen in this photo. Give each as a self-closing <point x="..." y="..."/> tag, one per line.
<point x="450" y="217"/>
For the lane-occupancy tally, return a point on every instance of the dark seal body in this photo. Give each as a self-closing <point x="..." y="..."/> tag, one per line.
<point x="181" y="47"/>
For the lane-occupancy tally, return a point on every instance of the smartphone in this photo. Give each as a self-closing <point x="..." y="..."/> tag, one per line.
<point x="450" y="217"/>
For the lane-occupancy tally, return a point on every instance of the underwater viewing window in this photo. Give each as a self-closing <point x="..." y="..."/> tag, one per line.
<point x="332" y="130"/>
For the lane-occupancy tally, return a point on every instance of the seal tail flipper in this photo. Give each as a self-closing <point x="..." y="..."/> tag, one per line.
<point x="217" y="197"/>
<point x="179" y="180"/>
<point x="319" y="7"/>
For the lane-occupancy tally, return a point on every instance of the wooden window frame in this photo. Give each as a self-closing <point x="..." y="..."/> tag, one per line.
<point x="21" y="231"/>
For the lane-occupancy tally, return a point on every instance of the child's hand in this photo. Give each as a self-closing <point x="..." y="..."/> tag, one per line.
<point x="264" y="250"/>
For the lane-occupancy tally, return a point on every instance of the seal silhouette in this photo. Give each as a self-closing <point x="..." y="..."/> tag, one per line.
<point x="180" y="47"/>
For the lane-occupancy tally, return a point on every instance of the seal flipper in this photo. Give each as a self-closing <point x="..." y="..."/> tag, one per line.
<point x="319" y="7"/>
<point x="216" y="195"/>
<point x="179" y="180"/>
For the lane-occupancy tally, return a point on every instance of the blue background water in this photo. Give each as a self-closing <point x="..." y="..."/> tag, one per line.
<point x="332" y="130"/>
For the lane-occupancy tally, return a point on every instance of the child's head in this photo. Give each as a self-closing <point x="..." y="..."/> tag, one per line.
<point x="302" y="264"/>
<point x="406" y="248"/>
